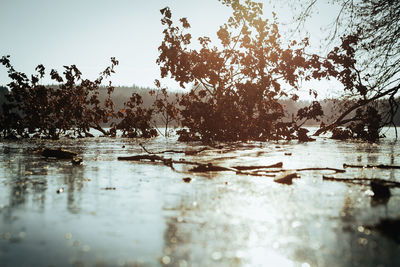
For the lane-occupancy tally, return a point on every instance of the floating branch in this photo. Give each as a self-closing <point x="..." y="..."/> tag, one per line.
<point x="360" y="180"/>
<point x="320" y="169"/>
<point x="187" y="152"/>
<point x="245" y="168"/>
<point x="152" y="158"/>
<point x="200" y="167"/>
<point x="209" y="167"/>
<point x="256" y="173"/>
<point x="380" y="166"/>
<point x="304" y="169"/>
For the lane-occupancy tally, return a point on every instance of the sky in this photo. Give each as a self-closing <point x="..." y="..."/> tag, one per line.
<point x="88" y="33"/>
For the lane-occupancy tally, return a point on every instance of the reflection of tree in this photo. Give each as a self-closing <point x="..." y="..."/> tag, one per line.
<point x="196" y="234"/>
<point x="22" y="182"/>
<point x="73" y="179"/>
<point x="176" y="239"/>
<point x="27" y="176"/>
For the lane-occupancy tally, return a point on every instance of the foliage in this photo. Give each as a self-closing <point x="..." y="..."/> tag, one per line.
<point x="32" y="109"/>
<point x="370" y="32"/>
<point x="238" y="84"/>
<point x="135" y="119"/>
<point x="165" y="106"/>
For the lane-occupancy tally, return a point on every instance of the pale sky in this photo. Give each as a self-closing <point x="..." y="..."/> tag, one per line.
<point x="88" y="32"/>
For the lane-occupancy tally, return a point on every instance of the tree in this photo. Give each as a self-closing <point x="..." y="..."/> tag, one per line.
<point x="135" y="120"/>
<point x="374" y="29"/>
<point x="73" y="105"/>
<point x="238" y="85"/>
<point x="165" y="107"/>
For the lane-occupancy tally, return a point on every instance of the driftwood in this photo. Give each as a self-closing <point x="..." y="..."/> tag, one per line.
<point x="304" y="169"/>
<point x="286" y="178"/>
<point x="152" y="158"/>
<point x="380" y="166"/>
<point x="256" y="173"/>
<point x="209" y="167"/>
<point x="186" y="152"/>
<point x="245" y="168"/>
<point x="360" y="180"/>
<point x="200" y="167"/>
<point x="58" y="153"/>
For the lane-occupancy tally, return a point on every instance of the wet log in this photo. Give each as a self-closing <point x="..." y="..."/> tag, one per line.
<point x="286" y="178"/>
<point x="245" y="168"/>
<point x="58" y="153"/>
<point x="380" y="166"/>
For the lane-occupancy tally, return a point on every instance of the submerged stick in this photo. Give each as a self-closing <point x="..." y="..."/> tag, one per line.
<point x="380" y="166"/>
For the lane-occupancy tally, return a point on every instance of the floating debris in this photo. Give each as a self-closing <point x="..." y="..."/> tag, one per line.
<point x="187" y="179"/>
<point x="380" y="189"/>
<point x="77" y="160"/>
<point x="109" y="188"/>
<point x="286" y="178"/>
<point x="58" y="153"/>
<point x="60" y="190"/>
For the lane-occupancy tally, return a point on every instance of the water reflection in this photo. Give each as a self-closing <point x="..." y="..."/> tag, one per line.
<point x="153" y="218"/>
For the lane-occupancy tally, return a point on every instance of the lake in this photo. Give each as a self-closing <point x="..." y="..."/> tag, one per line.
<point x="122" y="213"/>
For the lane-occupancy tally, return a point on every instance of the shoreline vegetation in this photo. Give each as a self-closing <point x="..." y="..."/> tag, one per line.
<point x="121" y="93"/>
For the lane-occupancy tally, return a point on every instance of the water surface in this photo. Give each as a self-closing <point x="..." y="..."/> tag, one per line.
<point x="119" y="213"/>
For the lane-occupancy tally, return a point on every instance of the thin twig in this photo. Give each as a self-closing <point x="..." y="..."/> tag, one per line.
<point x="354" y="180"/>
<point x="380" y="166"/>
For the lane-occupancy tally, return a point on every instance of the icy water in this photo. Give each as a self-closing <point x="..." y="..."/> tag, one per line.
<point x="120" y="213"/>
